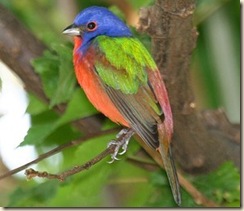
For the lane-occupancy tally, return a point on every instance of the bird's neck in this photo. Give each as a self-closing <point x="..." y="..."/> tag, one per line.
<point x="81" y="46"/>
<point x="82" y="55"/>
<point x="77" y="42"/>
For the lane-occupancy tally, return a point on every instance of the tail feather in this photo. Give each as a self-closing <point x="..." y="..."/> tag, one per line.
<point x="166" y="154"/>
<point x="171" y="172"/>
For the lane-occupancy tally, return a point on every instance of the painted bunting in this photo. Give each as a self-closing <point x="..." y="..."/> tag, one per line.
<point x="121" y="80"/>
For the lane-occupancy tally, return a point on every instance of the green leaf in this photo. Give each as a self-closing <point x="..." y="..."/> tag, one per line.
<point x="47" y="67"/>
<point x="221" y="185"/>
<point x="77" y="108"/>
<point x="43" y="125"/>
<point x="35" y="106"/>
<point x="36" y="134"/>
<point x="60" y="135"/>
<point x="36" y="196"/>
<point x="57" y="73"/>
<point x="66" y="80"/>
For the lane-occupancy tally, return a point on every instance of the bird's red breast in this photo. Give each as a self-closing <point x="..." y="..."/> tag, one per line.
<point x="91" y="85"/>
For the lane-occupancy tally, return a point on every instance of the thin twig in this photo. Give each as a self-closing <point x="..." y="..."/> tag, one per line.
<point x="31" y="173"/>
<point x="123" y="137"/>
<point x="55" y="151"/>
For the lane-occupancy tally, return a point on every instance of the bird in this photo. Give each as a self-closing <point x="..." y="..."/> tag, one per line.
<point x="122" y="81"/>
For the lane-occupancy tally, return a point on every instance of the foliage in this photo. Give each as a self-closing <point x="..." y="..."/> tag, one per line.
<point x="224" y="183"/>
<point x="121" y="184"/>
<point x="59" y="68"/>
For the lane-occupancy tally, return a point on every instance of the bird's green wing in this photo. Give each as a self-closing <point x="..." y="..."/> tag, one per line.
<point x="122" y="65"/>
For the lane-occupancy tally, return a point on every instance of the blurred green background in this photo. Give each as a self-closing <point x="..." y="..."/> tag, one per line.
<point x="215" y="71"/>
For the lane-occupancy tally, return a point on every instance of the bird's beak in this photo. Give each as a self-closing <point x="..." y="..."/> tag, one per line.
<point x="73" y="30"/>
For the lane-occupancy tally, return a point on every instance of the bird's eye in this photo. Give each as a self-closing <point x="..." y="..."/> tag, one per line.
<point x="91" y="26"/>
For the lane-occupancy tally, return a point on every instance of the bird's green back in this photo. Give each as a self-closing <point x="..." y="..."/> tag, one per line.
<point x="124" y="63"/>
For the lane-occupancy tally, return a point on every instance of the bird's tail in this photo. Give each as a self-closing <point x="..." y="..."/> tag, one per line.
<point x="166" y="154"/>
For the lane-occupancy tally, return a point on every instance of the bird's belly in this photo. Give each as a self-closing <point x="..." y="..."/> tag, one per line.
<point x="89" y="81"/>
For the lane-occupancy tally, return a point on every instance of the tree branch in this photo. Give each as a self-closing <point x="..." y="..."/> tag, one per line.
<point x="202" y="141"/>
<point x="31" y="173"/>
<point x="111" y="149"/>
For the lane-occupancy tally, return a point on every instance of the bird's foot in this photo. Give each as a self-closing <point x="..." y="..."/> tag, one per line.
<point x="123" y="138"/>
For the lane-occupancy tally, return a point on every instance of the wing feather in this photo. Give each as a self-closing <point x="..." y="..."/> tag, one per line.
<point x="123" y="74"/>
<point x="136" y="113"/>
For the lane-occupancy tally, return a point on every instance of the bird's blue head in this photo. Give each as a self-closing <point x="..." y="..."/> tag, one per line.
<point x="95" y="21"/>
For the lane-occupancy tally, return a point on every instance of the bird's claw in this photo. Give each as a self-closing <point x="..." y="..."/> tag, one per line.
<point x="113" y="158"/>
<point x="116" y="151"/>
<point x="120" y="144"/>
<point x="124" y="147"/>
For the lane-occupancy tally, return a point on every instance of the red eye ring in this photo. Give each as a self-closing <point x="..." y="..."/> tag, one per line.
<point x="91" y="26"/>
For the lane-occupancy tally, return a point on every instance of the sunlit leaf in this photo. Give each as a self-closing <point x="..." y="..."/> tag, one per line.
<point x="66" y="77"/>
<point x="78" y="107"/>
<point x="36" y="134"/>
<point x="35" y="106"/>
<point x="57" y="73"/>
<point x="47" y="67"/>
